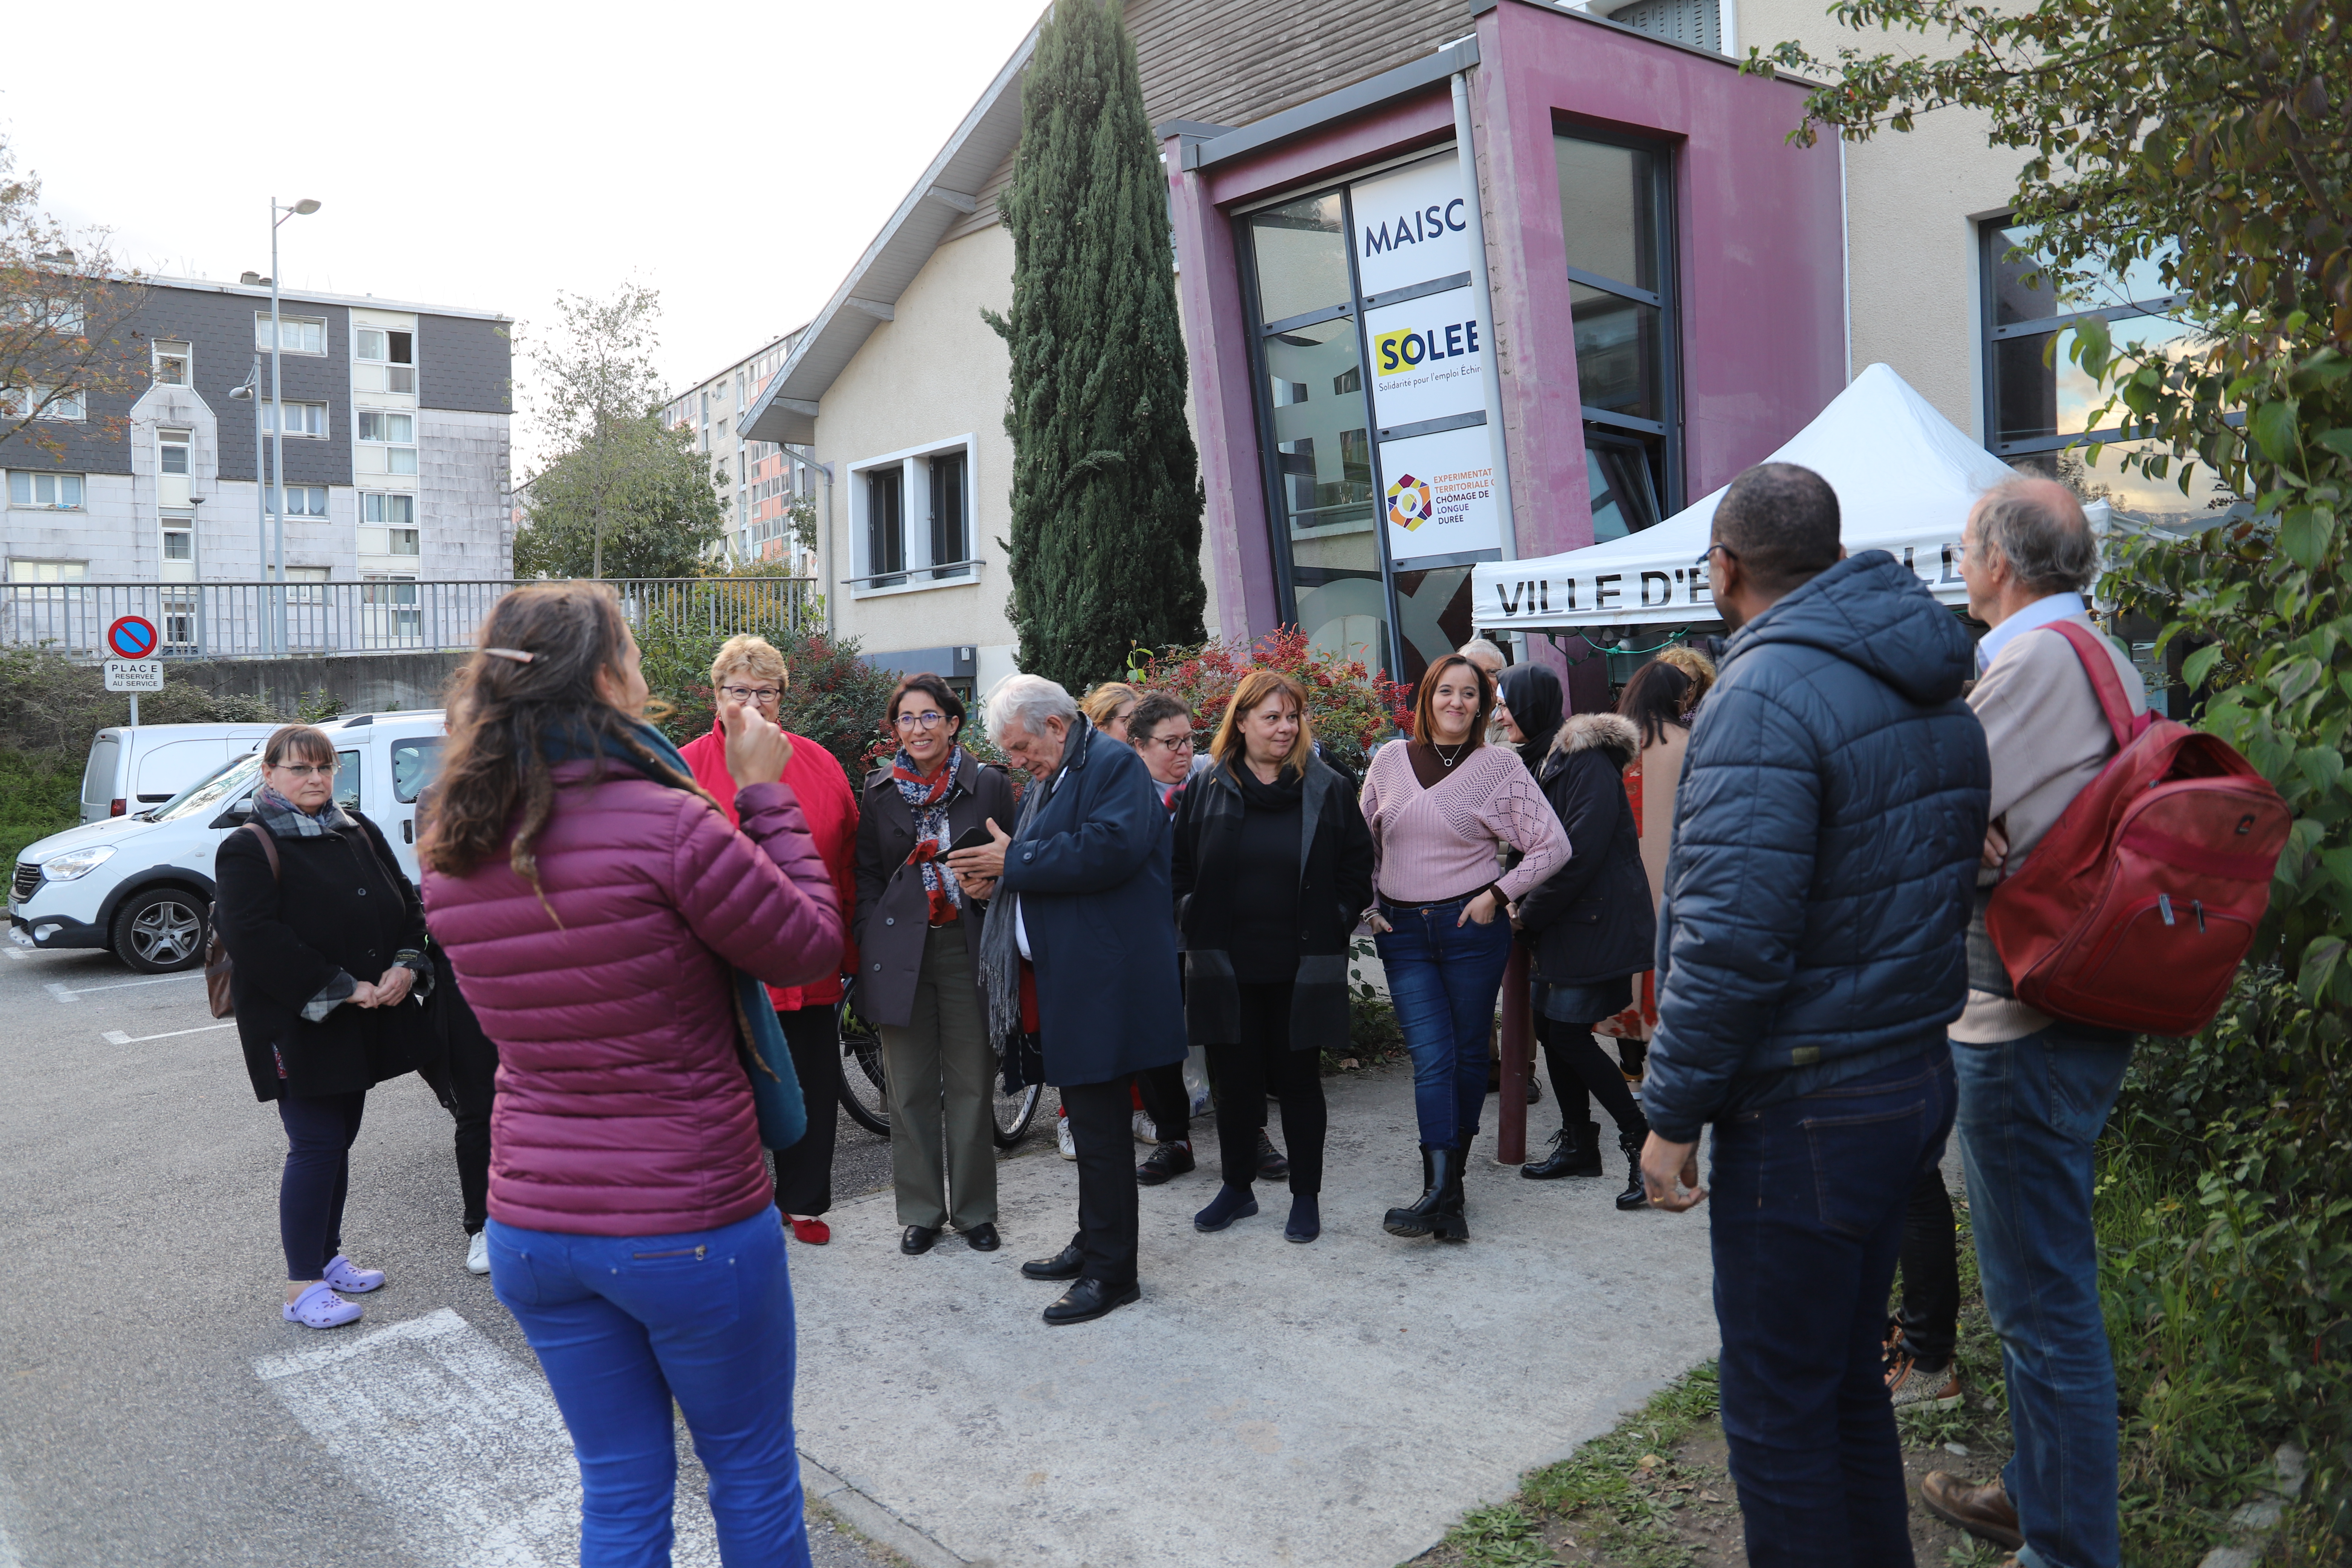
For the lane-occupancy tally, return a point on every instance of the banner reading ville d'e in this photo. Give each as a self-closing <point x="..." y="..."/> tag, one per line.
<point x="1426" y="363"/>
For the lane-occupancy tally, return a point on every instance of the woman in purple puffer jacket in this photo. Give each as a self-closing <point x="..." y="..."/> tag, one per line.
<point x="595" y="904"/>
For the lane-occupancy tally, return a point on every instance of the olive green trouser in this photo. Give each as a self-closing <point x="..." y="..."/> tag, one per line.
<point x="942" y="1092"/>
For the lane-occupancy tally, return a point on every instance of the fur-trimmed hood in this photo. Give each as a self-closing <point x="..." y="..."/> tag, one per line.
<point x="1609" y="732"/>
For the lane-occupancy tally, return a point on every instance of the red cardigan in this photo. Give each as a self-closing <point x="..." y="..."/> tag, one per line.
<point x="832" y="812"/>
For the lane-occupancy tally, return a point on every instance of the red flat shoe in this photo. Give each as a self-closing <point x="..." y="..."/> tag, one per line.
<point x="815" y="1232"/>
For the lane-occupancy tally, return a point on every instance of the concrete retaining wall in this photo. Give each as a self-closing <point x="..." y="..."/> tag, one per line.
<point x="367" y="682"/>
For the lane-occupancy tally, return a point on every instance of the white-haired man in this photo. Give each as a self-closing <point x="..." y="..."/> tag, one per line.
<point x="1084" y="881"/>
<point x="2034" y="1090"/>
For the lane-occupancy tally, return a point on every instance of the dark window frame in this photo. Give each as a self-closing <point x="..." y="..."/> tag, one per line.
<point x="951" y="513"/>
<point x="886" y="535"/>
<point x="1666" y="299"/>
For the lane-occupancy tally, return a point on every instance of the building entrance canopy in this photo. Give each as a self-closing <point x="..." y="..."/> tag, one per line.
<point x="1904" y="475"/>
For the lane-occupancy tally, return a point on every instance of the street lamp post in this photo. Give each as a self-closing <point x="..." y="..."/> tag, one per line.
<point x="251" y="393"/>
<point x="278" y="216"/>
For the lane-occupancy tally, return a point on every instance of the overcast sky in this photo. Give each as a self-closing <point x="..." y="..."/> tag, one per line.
<point x="736" y="156"/>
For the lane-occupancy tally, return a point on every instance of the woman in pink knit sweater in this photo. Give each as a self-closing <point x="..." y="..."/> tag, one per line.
<point x="1443" y="807"/>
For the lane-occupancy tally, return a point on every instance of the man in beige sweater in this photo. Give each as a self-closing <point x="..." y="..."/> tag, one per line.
<point x="2034" y="1090"/>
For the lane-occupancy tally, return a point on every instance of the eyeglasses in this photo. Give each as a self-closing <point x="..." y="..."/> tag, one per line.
<point x="752" y="693"/>
<point x="1174" y="743"/>
<point x="305" y="770"/>
<point x="1728" y="553"/>
<point x="930" y="720"/>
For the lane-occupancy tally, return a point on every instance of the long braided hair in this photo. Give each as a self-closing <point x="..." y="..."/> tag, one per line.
<point x="530" y="689"/>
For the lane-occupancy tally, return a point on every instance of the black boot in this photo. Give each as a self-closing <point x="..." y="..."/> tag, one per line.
<point x="1415" y="1218"/>
<point x="1576" y="1151"/>
<point x="1449" y="1221"/>
<point x="1631" y="1139"/>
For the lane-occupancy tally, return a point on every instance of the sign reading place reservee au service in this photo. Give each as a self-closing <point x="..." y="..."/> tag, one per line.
<point x="1426" y="361"/>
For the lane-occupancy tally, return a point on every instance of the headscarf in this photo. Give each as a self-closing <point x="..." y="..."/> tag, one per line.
<point x="1532" y="693"/>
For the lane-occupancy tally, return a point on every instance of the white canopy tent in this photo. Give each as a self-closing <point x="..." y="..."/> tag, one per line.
<point x="1904" y="475"/>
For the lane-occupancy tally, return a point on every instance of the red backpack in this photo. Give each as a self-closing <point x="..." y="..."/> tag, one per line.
<point x="2136" y="909"/>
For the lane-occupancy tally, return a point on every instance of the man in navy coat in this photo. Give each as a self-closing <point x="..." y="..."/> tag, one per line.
<point x="1084" y="881"/>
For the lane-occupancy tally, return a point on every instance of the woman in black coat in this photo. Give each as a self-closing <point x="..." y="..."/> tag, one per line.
<point x="918" y="965"/>
<point x="1273" y="866"/>
<point x="1593" y="931"/>
<point x="327" y="938"/>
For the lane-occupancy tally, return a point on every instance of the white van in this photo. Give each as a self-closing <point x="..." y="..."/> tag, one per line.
<point x="140" y="885"/>
<point x="134" y="766"/>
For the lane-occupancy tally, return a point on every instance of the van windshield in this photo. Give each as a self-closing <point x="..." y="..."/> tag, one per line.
<point x="223" y="785"/>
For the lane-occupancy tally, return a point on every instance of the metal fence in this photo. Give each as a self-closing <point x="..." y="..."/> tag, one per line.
<point x="260" y="620"/>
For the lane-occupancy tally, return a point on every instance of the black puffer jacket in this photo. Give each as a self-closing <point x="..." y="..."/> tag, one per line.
<point x="1592" y="922"/>
<point x="1826" y="835"/>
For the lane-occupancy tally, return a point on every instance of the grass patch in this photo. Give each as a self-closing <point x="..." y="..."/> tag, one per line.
<point x="1622" y="1491"/>
<point x="39" y="794"/>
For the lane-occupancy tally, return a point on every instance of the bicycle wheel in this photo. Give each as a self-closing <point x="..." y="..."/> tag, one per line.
<point x="1014" y="1112"/>
<point x="864" y="1092"/>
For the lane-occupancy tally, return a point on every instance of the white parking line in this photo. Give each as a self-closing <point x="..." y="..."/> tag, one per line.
<point x="116" y="1037"/>
<point x="64" y="992"/>
<point x="461" y="1440"/>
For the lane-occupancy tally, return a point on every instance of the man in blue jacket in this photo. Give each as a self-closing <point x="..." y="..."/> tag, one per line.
<point x="1811" y="949"/>
<point x="1080" y="894"/>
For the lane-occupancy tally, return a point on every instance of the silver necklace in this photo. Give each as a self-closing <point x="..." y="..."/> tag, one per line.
<point x="1445" y="761"/>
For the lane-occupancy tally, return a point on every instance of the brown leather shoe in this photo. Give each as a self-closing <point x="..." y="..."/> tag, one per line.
<point x="1982" y="1511"/>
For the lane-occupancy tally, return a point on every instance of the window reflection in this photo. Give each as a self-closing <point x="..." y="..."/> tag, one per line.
<point x="2034" y="400"/>
<point x="2020" y="293"/>
<point x="1605" y="196"/>
<point x="1617" y="352"/>
<point x="1302" y="258"/>
<point x="1619" y="483"/>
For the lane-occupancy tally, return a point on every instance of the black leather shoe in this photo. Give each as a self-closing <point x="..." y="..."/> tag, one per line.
<point x="1088" y="1300"/>
<point x="982" y="1238"/>
<point x="1165" y="1161"/>
<point x="1271" y="1164"/>
<point x="1066" y="1264"/>
<point x="1449" y="1222"/>
<point x="1576" y="1151"/>
<point x="916" y="1239"/>
<point x="1635" y="1195"/>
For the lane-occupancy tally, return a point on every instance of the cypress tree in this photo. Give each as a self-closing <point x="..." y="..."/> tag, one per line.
<point x="1107" y="497"/>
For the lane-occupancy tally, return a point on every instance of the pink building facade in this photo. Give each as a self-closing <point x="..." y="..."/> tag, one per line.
<point x="1664" y="306"/>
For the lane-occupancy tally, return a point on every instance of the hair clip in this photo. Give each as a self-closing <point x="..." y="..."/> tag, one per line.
<point x="515" y="653"/>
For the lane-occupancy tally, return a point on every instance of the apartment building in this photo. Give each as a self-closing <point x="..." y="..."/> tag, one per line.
<point x="766" y="479"/>
<point x="395" y="420"/>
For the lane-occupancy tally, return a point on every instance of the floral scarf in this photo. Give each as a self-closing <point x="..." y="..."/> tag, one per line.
<point x="929" y="800"/>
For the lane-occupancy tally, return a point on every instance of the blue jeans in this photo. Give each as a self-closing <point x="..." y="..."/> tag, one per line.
<point x="1443" y="979"/>
<point x="622" y="1324"/>
<point x="1808" y="1197"/>
<point x="2031" y="1109"/>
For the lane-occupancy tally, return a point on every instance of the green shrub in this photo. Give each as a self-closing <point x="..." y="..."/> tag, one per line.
<point x="39" y="794"/>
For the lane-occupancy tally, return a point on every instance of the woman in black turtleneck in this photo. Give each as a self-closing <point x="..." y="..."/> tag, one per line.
<point x="1272" y="864"/>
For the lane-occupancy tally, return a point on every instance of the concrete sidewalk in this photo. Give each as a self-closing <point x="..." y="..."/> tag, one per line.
<point x="1265" y="1402"/>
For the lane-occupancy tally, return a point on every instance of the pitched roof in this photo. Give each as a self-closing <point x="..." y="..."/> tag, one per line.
<point x="942" y="197"/>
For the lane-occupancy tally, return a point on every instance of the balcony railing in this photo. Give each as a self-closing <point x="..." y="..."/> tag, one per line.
<point x="260" y="620"/>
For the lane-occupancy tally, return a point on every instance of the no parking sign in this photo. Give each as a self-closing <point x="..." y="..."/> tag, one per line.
<point x="132" y="636"/>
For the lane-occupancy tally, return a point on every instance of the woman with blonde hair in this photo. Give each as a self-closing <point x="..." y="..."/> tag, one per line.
<point x="611" y="930"/>
<point x="749" y="673"/>
<point x="1109" y="706"/>
<point x="1273" y="866"/>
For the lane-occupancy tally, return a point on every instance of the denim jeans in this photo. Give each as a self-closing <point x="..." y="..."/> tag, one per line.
<point x="1808" y="1197"/>
<point x="1443" y="979"/>
<point x="623" y="1325"/>
<point x="2031" y="1109"/>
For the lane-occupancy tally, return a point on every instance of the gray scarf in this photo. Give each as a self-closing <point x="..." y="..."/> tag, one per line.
<point x="1000" y="945"/>
<point x="287" y="820"/>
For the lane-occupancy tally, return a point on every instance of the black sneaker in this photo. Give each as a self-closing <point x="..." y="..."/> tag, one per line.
<point x="1271" y="1164"/>
<point x="1166" y="1159"/>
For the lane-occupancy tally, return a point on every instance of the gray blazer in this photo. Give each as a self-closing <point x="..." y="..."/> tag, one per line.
<point x="893" y="917"/>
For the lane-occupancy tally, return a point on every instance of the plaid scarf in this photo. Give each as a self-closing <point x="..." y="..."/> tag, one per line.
<point x="929" y="800"/>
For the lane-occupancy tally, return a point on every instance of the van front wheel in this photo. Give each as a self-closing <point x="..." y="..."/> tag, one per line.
<point x="160" y="931"/>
